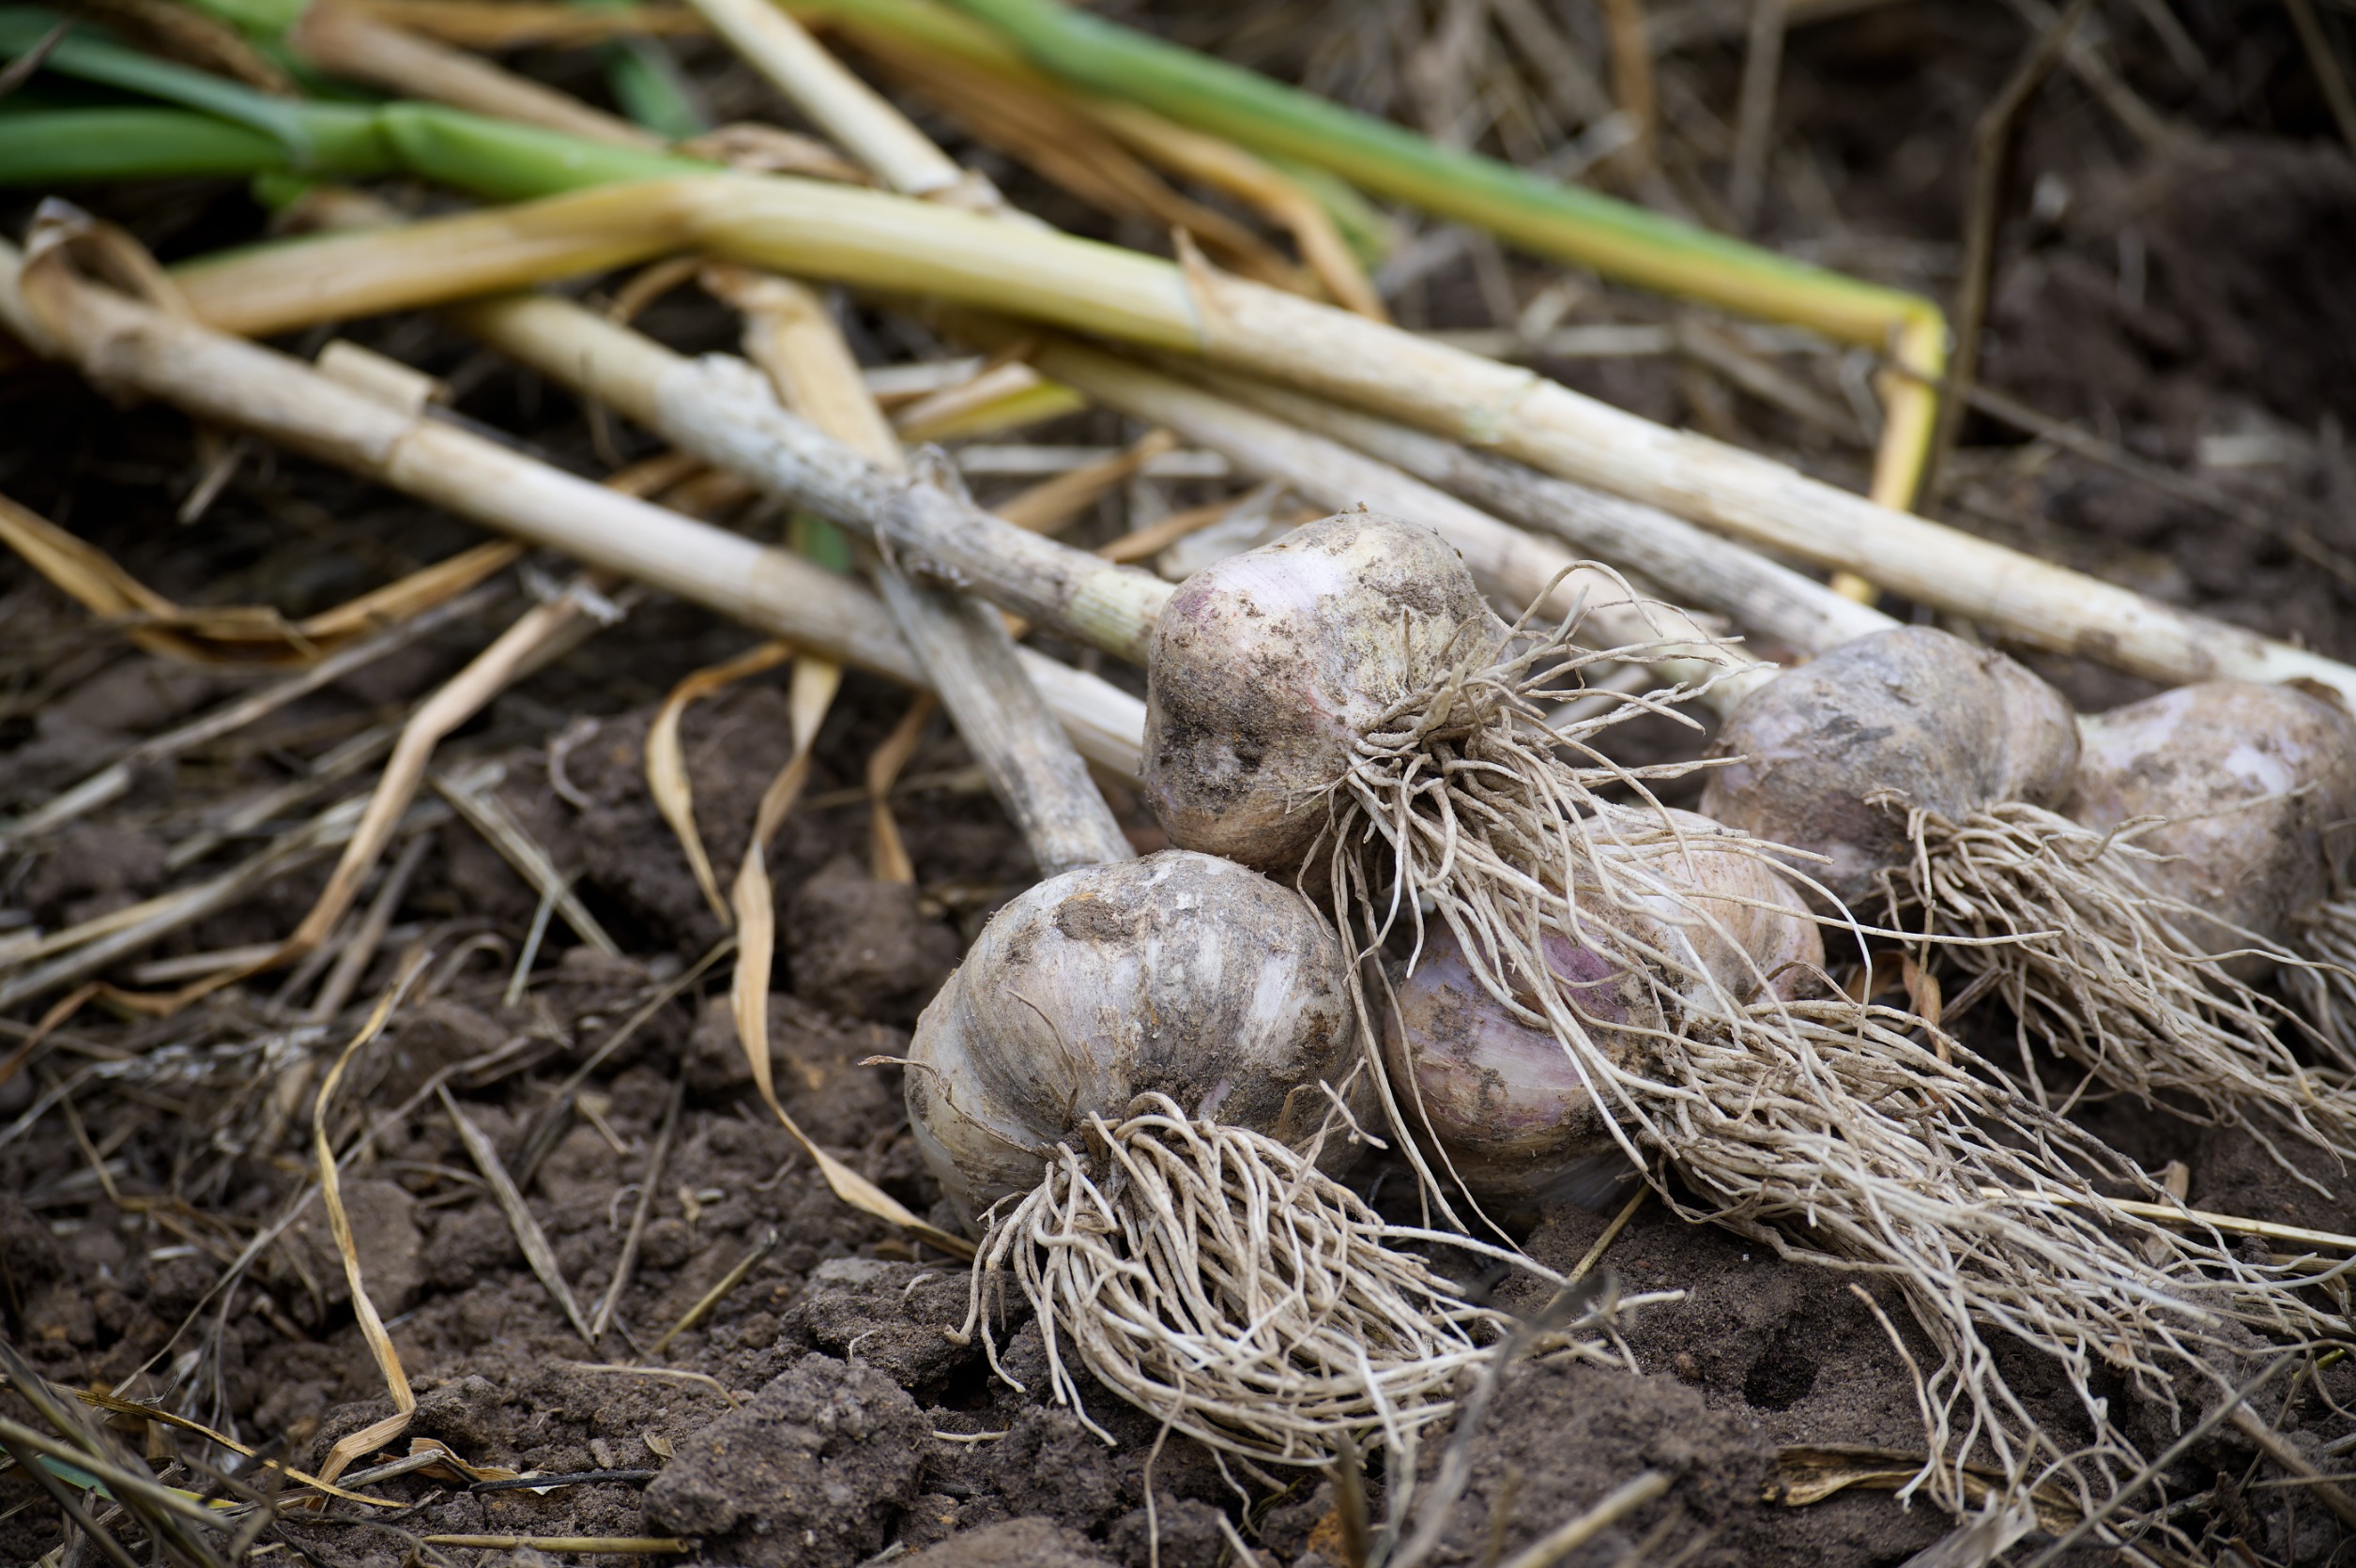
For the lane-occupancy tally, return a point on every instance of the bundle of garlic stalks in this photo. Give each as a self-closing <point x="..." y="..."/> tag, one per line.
<point x="1421" y="898"/>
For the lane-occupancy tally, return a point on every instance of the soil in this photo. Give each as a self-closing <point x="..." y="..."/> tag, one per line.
<point x="819" y="1401"/>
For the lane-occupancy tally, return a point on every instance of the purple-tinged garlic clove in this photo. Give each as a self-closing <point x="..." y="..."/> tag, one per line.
<point x="1499" y="1102"/>
<point x="1692" y="926"/>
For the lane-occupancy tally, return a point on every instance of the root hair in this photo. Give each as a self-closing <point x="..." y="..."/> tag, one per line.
<point x="2117" y="978"/>
<point x="1218" y="1281"/>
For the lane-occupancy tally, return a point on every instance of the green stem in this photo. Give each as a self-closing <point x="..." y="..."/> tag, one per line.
<point x="1561" y="222"/>
<point x="225" y="129"/>
<point x="511" y="162"/>
<point x="647" y="83"/>
<point x="88" y="57"/>
<point x="73" y="147"/>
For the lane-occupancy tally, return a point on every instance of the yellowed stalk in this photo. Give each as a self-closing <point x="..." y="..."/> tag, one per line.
<point x="888" y="857"/>
<point x="1150" y="540"/>
<point x="520" y="23"/>
<point x="792" y="339"/>
<point x="372" y="1325"/>
<point x="907" y="247"/>
<point x="1001" y="398"/>
<point x="789" y="335"/>
<point x="804" y="227"/>
<point x="1692" y="565"/>
<point x="1632" y="84"/>
<point x="348" y="43"/>
<point x="964" y="647"/>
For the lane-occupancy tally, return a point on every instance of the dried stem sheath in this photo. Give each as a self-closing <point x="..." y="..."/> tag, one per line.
<point x="1517" y="567"/>
<point x="963" y="644"/>
<point x="890" y="243"/>
<point x="722" y="412"/>
<point x="847" y="111"/>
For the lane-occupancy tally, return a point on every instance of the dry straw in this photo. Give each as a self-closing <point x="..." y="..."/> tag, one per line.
<point x="128" y="344"/>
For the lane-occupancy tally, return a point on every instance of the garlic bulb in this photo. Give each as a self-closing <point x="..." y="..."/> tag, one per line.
<point x="1832" y="756"/>
<point x="1178" y="974"/>
<point x="1690" y="926"/>
<point x="1267" y="666"/>
<point x="2258" y="783"/>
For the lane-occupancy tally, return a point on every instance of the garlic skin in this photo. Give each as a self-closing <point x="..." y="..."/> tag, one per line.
<point x="1503" y="1100"/>
<point x="2208" y="757"/>
<point x="1267" y="666"/>
<point x="1178" y="974"/>
<point x="1722" y="925"/>
<point x="1925" y="716"/>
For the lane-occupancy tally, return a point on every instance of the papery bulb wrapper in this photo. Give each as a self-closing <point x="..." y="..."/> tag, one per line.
<point x="1267" y="666"/>
<point x="2258" y="783"/>
<point x="1178" y="974"/>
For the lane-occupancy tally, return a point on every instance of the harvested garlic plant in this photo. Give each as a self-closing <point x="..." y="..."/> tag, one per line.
<point x="1127" y="1086"/>
<point x="1930" y="772"/>
<point x="1442" y="798"/>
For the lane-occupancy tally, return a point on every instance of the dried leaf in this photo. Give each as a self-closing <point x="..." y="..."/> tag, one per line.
<point x="245" y="636"/>
<point x="888" y="854"/>
<point x="666" y="760"/>
<point x="154" y="1414"/>
<point x="1000" y="397"/>
<point x="1808" y="1473"/>
<point x="371" y="1327"/>
<point x="756" y="940"/>
<point x="488" y="815"/>
<point x="529" y="1235"/>
<point x="1043" y="131"/>
<point x="1055" y="504"/>
<point x="448" y="1465"/>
